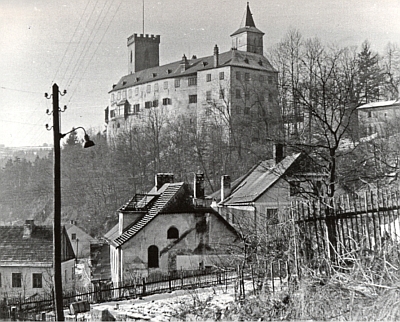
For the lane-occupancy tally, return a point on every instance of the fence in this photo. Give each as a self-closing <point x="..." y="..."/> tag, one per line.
<point x="352" y="223"/>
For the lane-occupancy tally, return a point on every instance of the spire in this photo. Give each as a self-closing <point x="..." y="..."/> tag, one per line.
<point x="249" y="17"/>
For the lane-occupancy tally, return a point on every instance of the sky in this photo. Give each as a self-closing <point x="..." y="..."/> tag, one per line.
<point x="81" y="46"/>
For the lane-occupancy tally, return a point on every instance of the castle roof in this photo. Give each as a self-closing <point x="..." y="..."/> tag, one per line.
<point x="234" y="58"/>
<point x="249" y="26"/>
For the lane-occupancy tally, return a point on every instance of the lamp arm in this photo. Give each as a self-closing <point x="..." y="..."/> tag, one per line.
<point x="73" y="130"/>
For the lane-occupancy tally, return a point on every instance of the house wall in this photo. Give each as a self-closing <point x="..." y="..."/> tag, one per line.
<point x="27" y="271"/>
<point x="198" y="234"/>
<point x="81" y="243"/>
<point x="379" y="120"/>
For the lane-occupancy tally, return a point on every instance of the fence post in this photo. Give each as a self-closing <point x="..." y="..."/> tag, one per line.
<point x="169" y="282"/>
<point x="144" y="286"/>
<point x="181" y="278"/>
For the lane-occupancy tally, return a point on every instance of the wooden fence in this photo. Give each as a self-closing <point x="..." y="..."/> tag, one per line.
<point x="343" y="226"/>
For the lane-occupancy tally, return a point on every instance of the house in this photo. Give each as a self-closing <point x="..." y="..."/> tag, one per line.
<point x="80" y="239"/>
<point x="26" y="260"/>
<point x="264" y="194"/>
<point x="167" y="230"/>
<point x="381" y="118"/>
<point x="240" y="82"/>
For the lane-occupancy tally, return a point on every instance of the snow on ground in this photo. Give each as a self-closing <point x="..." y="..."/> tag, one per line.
<point x="160" y="307"/>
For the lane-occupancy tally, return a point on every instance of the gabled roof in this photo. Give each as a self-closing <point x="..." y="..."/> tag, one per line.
<point x="16" y="250"/>
<point x="166" y="194"/>
<point x="258" y="180"/>
<point x="80" y="233"/>
<point x="233" y="57"/>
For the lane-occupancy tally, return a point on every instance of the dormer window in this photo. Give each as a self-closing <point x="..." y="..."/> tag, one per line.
<point x="205" y="63"/>
<point x="154" y="75"/>
<point x="246" y="60"/>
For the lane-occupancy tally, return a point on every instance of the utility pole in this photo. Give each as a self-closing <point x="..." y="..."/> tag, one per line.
<point x="58" y="295"/>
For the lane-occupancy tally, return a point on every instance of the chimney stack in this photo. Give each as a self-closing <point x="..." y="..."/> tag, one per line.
<point x="216" y="58"/>
<point x="28" y="228"/>
<point x="163" y="178"/>
<point x="199" y="186"/>
<point x="225" y="186"/>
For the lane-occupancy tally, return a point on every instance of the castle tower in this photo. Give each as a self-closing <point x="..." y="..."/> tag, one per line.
<point x="248" y="38"/>
<point x="144" y="52"/>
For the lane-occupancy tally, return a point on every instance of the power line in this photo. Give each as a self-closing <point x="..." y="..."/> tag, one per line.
<point x="18" y="90"/>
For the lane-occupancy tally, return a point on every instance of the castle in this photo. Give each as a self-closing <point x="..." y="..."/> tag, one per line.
<point x="234" y="88"/>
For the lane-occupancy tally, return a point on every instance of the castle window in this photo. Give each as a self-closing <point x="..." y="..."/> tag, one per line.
<point x="112" y="113"/>
<point x="247" y="77"/>
<point x="148" y="89"/>
<point x="136" y="91"/>
<point x="192" y="99"/>
<point x="112" y="97"/>
<point x="131" y="56"/>
<point x="369" y="114"/>
<point x="130" y="93"/>
<point x="156" y="87"/>
<point x="208" y="95"/>
<point x="238" y="76"/>
<point x="124" y="94"/>
<point x="152" y="256"/>
<point x="136" y="108"/>
<point x="221" y="75"/>
<point x="192" y="81"/>
<point x="177" y="82"/>
<point x="172" y="233"/>
<point x="148" y="104"/>
<point x="270" y="98"/>
<point x="155" y="103"/>
<point x="165" y="85"/>
<point x="118" y="95"/>
<point x="262" y="78"/>
<point x="247" y="95"/>
<point x="270" y="80"/>
<point x="208" y="77"/>
<point x="246" y="110"/>
<point x="238" y="93"/>
<point x="166" y="101"/>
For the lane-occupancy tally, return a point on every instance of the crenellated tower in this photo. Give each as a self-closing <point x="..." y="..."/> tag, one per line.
<point x="144" y="52"/>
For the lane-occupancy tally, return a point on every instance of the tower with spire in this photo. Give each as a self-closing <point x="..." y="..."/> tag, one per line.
<point x="248" y="38"/>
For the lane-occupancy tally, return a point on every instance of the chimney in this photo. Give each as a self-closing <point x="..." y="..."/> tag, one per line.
<point x="279" y="152"/>
<point x="216" y="56"/>
<point x="199" y="186"/>
<point x="225" y="186"/>
<point x="184" y="63"/>
<point x="28" y="228"/>
<point x="162" y="178"/>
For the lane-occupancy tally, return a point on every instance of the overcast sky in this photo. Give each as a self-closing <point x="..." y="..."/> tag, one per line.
<point x="81" y="46"/>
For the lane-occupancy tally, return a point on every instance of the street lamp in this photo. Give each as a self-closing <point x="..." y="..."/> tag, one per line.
<point x="57" y="136"/>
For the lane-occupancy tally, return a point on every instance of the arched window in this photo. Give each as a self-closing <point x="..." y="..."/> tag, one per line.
<point x="173" y="233"/>
<point x="152" y="256"/>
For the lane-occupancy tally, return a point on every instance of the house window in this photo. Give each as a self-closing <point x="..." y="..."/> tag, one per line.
<point x="37" y="280"/>
<point x="238" y="93"/>
<point x="172" y="233"/>
<point x="221" y="75"/>
<point x="147" y="104"/>
<point x="238" y="76"/>
<point x="152" y="256"/>
<point x="166" y="101"/>
<point x="192" y="99"/>
<point x="156" y="87"/>
<point x="136" y="108"/>
<point x="177" y="82"/>
<point x="112" y="113"/>
<point x="369" y="114"/>
<point x="208" y="95"/>
<point x="294" y="188"/>
<point x="272" y="216"/>
<point x="155" y="103"/>
<point x="16" y="279"/>
<point x="192" y="81"/>
<point x="148" y="89"/>
<point x="73" y="236"/>
<point x="165" y="85"/>
<point x="247" y="95"/>
<point x="246" y="110"/>
<point x="247" y="77"/>
<point x="136" y="91"/>
<point x="208" y="78"/>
